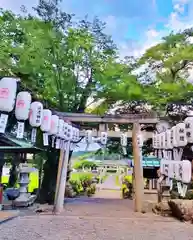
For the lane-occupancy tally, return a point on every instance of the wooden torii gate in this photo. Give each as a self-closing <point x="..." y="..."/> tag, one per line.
<point x="105" y="120"/>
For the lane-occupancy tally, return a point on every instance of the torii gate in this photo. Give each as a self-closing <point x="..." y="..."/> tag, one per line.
<point x="103" y="121"/>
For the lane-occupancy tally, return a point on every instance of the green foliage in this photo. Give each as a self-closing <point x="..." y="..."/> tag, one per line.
<point x="91" y="190"/>
<point x="127" y="187"/>
<point x="82" y="183"/>
<point x="84" y="164"/>
<point x="166" y="70"/>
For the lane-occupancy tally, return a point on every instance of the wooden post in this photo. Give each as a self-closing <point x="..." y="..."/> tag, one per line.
<point x="138" y="171"/>
<point x="61" y="178"/>
<point x="61" y="156"/>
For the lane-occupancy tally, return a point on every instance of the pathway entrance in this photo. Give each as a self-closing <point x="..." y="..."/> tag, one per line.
<point x="109" y="189"/>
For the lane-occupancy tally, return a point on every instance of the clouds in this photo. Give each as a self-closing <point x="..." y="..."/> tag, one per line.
<point x="15" y="5"/>
<point x="134" y="25"/>
<point x="180" y="18"/>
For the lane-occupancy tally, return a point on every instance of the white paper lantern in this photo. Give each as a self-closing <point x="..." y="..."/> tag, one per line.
<point x="158" y="141"/>
<point x="46" y="125"/>
<point x="54" y="125"/>
<point x="186" y="171"/>
<point x="35" y="118"/>
<point x="154" y="140"/>
<point x="54" y="128"/>
<point x="189" y="129"/>
<point x="46" y="120"/>
<point x="173" y="168"/>
<point x="161" y="140"/>
<point x="73" y="133"/>
<point x="162" y="137"/>
<point x="166" y="140"/>
<point x="103" y="138"/>
<point x="70" y="133"/>
<point x="8" y="88"/>
<point x="88" y="136"/>
<point x="60" y="132"/>
<point x="181" y="140"/>
<point x="65" y="130"/>
<point x="23" y="102"/>
<point x="140" y="140"/>
<point x="123" y="139"/>
<point x="168" y="137"/>
<point x="77" y="134"/>
<point x="36" y="114"/>
<point x="173" y="137"/>
<point x="22" y="108"/>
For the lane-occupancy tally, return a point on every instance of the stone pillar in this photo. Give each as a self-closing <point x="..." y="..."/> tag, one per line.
<point x="150" y="184"/>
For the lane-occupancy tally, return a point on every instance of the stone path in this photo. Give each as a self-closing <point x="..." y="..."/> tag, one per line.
<point x="108" y="194"/>
<point x="96" y="219"/>
<point x="110" y="183"/>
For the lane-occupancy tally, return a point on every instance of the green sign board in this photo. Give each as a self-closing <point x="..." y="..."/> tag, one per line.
<point x="150" y="162"/>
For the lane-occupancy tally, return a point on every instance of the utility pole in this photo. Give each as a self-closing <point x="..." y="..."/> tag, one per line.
<point x="138" y="171"/>
<point x="61" y="179"/>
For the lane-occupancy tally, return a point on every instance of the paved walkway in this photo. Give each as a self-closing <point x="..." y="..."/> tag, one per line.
<point x="110" y="183"/>
<point x="96" y="219"/>
<point x="108" y="194"/>
<point x="6" y="215"/>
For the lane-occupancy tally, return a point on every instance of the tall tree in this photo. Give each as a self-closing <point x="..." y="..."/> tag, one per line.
<point x="167" y="68"/>
<point x="77" y="54"/>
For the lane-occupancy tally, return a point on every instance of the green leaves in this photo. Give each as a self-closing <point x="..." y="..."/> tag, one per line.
<point x="167" y="64"/>
<point x="65" y="65"/>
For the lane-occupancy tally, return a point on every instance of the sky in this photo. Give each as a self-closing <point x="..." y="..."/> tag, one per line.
<point x="135" y="25"/>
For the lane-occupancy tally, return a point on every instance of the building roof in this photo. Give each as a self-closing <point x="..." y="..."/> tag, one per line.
<point x="9" y="144"/>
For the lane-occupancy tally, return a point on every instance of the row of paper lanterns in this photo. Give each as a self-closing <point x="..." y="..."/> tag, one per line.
<point x="179" y="170"/>
<point x="32" y="111"/>
<point x="178" y="136"/>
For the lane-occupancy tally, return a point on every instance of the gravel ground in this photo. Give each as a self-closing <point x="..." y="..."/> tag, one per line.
<point x="95" y="220"/>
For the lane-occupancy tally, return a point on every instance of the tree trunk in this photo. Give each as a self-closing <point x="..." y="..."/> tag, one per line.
<point x="48" y="185"/>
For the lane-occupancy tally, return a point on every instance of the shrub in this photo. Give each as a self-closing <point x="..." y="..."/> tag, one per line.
<point x="82" y="183"/>
<point x="189" y="194"/>
<point x="90" y="190"/>
<point x="127" y="187"/>
<point x="76" y="186"/>
<point x="93" y="188"/>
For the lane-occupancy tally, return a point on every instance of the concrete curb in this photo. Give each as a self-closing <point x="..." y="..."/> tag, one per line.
<point x="14" y="215"/>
